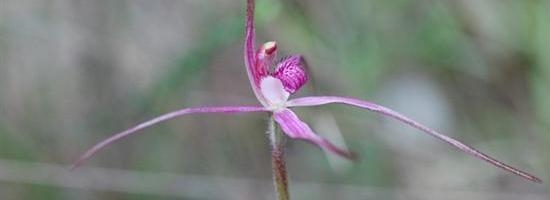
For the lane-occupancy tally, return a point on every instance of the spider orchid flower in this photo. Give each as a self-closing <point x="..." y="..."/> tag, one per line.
<point x="272" y="82"/>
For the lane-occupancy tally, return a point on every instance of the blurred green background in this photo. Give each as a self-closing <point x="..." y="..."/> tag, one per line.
<point x="73" y="72"/>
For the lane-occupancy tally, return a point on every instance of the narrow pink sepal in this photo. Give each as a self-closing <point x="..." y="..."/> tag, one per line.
<point x="320" y="100"/>
<point x="250" y="60"/>
<point x="291" y="72"/>
<point x="167" y="116"/>
<point x="295" y="128"/>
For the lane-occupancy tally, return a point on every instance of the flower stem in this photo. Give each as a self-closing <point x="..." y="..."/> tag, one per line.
<point x="278" y="163"/>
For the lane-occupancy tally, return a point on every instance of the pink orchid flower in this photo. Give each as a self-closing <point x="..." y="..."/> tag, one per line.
<point x="273" y="82"/>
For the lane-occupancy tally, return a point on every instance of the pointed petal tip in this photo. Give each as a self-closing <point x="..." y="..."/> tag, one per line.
<point x="74" y="166"/>
<point x="84" y="157"/>
<point x="328" y="146"/>
<point x="537" y="180"/>
<point x="531" y="178"/>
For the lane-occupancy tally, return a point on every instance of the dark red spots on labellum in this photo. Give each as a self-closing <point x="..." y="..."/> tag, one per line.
<point x="291" y="72"/>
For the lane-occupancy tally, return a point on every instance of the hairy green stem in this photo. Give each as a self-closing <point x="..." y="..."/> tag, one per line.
<point x="278" y="164"/>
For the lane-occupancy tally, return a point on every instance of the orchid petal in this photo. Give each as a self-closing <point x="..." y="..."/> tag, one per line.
<point x="295" y="128"/>
<point x="320" y="100"/>
<point x="250" y="60"/>
<point x="167" y="116"/>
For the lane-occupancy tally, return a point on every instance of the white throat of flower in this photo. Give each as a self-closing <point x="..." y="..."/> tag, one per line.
<point x="274" y="92"/>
